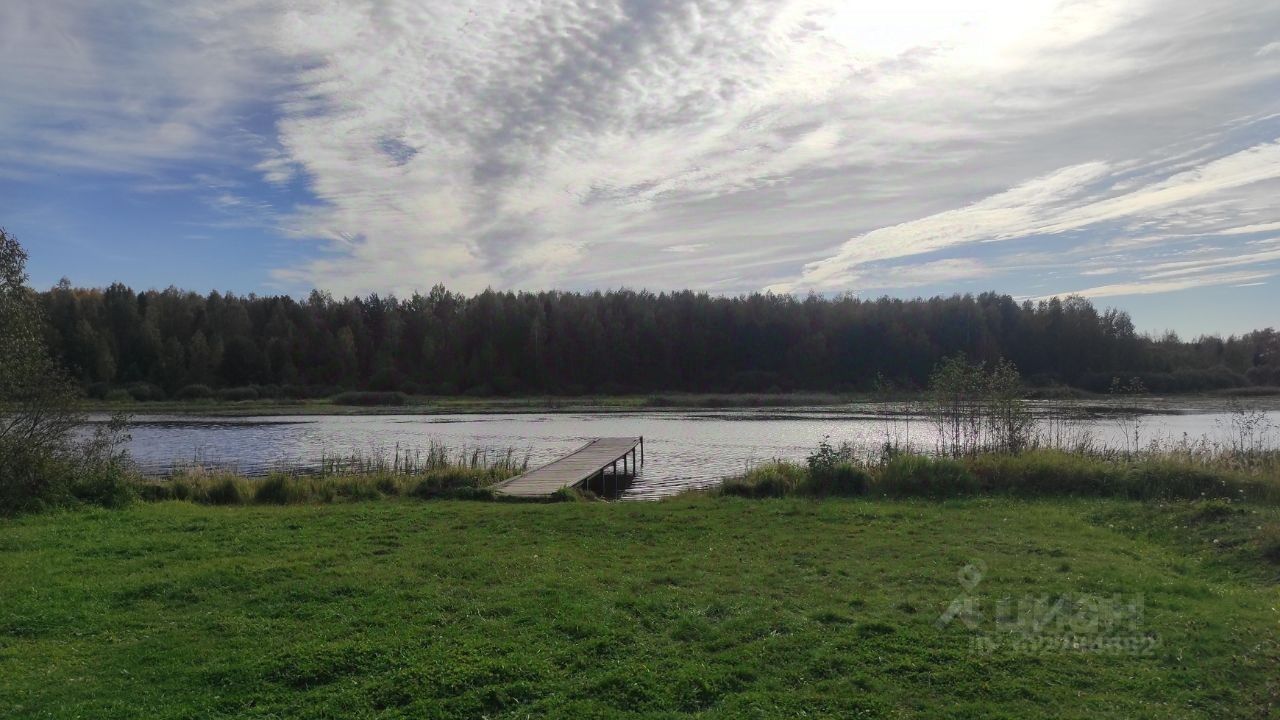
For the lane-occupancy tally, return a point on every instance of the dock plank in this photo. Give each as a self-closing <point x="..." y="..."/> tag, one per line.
<point x="571" y="470"/>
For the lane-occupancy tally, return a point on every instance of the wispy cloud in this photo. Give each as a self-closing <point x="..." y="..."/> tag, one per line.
<point x="620" y="131"/>
<point x="791" y="144"/>
<point x="1152" y="287"/>
<point x="1199" y="202"/>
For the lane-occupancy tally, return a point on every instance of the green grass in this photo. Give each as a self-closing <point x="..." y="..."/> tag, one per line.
<point x="1033" y="474"/>
<point x="695" y="606"/>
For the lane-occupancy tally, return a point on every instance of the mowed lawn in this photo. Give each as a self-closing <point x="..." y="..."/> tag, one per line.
<point x="703" y="606"/>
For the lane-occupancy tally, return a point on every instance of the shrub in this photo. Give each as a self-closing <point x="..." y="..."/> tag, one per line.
<point x="119" y="395"/>
<point x="31" y="481"/>
<point x="371" y="398"/>
<point x="98" y="390"/>
<point x="571" y="494"/>
<point x="1264" y="374"/>
<point x="238" y="394"/>
<point x="929" y="476"/>
<point x="277" y="489"/>
<point x="776" y="479"/>
<point x="109" y="484"/>
<point x="195" y="392"/>
<point x="227" y="491"/>
<point x="1046" y="472"/>
<point x="844" y="480"/>
<point x="146" y="392"/>
<point x="450" y="479"/>
<point x="832" y="471"/>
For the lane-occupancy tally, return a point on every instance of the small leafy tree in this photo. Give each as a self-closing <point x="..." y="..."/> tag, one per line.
<point x="976" y="408"/>
<point x="40" y="461"/>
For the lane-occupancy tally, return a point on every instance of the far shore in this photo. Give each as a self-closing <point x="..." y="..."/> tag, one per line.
<point x="1262" y="398"/>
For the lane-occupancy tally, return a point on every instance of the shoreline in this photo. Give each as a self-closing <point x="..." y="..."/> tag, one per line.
<point x="1198" y="403"/>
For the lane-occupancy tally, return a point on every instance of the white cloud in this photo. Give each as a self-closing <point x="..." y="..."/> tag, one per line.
<point x="684" y="248"/>
<point x="1075" y="199"/>
<point x="1015" y="212"/>
<point x="1152" y="287"/>
<point x="729" y="146"/>
<point x="128" y="87"/>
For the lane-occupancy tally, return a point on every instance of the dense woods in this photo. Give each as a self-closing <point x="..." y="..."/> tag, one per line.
<point x="173" y="343"/>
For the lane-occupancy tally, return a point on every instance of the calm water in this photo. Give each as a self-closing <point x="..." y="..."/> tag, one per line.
<point x="683" y="449"/>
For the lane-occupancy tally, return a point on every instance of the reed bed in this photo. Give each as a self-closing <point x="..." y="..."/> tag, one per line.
<point x="437" y="471"/>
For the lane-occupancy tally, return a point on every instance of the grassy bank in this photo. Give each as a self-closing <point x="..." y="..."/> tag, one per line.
<point x="1251" y="477"/>
<point x="716" y="608"/>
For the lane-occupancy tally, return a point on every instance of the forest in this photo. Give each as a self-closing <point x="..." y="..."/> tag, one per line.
<point x="171" y="343"/>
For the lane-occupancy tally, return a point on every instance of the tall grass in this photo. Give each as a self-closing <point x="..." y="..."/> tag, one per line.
<point x="1035" y="473"/>
<point x="439" y="471"/>
<point x="415" y="461"/>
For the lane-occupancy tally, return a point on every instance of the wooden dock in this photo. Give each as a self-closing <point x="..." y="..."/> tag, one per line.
<point x="577" y="468"/>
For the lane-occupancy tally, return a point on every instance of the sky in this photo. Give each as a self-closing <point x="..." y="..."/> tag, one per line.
<point x="1124" y="150"/>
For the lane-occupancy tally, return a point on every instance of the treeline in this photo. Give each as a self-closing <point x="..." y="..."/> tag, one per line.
<point x="174" y="343"/>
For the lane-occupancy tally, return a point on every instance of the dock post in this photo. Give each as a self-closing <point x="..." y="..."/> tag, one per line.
<point x="642" y="450"/>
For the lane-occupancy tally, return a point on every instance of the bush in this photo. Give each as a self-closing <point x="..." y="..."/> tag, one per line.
<point x="844" y="479"/>
<point x="572" y="494"/>
<point x="238" y="394"/>
<point x="776" y="479"/>
<point x="1264" y="374"/>
<point x="195" y="392"/>
<point x="146" y="392"/>
<point x="450" y="480"/>
<point x="36" y="477"/>
<point x="832" y="472"/>
<point x="98" y="390"/>
<point x="31" y="481"/>
<point x="109" y="484"/>
<point x="119" y="395"/>
<point x="927" y="476"/>
<point x="1047" y="472"/>
<point x="371" y="398"/>
<point x="277" y="489"/>
<point x="228" y="491"/>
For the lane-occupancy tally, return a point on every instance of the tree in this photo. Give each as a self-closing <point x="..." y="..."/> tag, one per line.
<point x="37" y="427"/>
<point x="617" y="341"/>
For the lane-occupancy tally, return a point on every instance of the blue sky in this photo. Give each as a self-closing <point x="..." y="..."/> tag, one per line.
<point x="1128" y="151"/>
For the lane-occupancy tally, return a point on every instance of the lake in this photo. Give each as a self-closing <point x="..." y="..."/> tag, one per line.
<point x="684" y="449"/>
